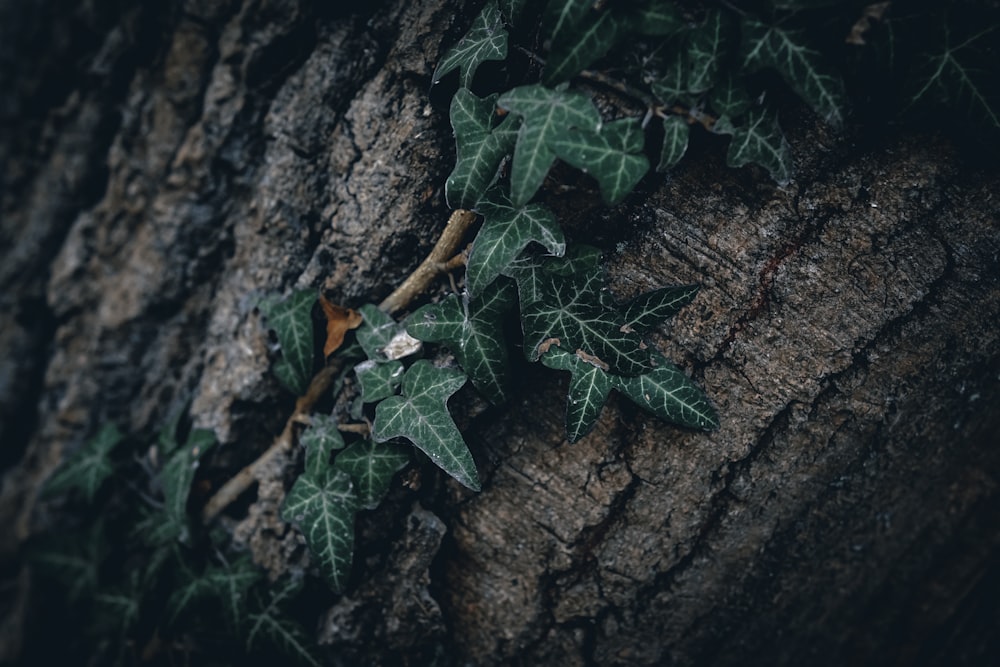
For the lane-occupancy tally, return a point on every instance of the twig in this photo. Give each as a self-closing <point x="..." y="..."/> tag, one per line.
<point x="435" y="264"/>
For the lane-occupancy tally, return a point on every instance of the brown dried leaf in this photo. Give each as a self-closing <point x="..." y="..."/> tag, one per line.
<point x="339" y="321"/>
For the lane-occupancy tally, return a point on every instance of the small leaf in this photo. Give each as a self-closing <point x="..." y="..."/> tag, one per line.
<point x="529" y="270"/>
<point x="319" y="439"/>
<point x="271" y="625"/>
<point x="759" y="141"/>
<point x="802" y="68"/>
<point x="228" y="584"/>
<point x="291" y="320"/>
<point x="658" y="18"/>
<point x="377" y="380"/>
<point x="175" y="481"/>
<point x="546" y="114"/>
<point x="481" y="147"/>
<point x="87" y="469"/>
<point x="421" y="416"/>
<point x="671" y="86"/>
<point x="339" y="321"/>
<point x="589" y="41"/>
<point x="560" y="18"/>
<point x="511" y="9"/>
<point x="322" y="505"/>
<point x="371" y="467"/>
<point x="589" y="386"/>
<point x="650" y="308"/>
<point x="474" y="333"/>
<point x="613" y="155"/>
<point x="377" y="332"/>
<point x="675" y="142"/>
<point x="707" y="46"/>
<point x="506" y="231"/>
<point x="486" y="40"/>
<point x="670" y="395"/>
<point x="729" y="98"/>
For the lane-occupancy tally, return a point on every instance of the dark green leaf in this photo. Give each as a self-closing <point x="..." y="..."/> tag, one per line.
<point x="481" y="147"/>
<point x="670" y="395"/>
<point x="529" y="270"/>
<point x="560" y="18"/>
<point x="228" y="584"/>
<point x="547" y="114"/>
<point x="589" y="387"/>
<point x="760" y="141"/>
<point x="511" y="9"/>
<point x="612" y="155"/>
<point x="729" y="98"/>
<point x="675" y="142"/>
<point x="377" y="331"/>
<point x="650" y="308"/>
<point x="371" y="467"/>
<point x="707" y="47"/>
<point x="87" y="469"/>
<point x="474" y="333"/>
<point x="671" y="86"/>
<point x="271" y="625"/>
<point x="591" y="39"/>
<point x="658" y="18"/>
<point x="506" y="231"/>
<point x="421" y="416"/>
<point x="802" y="68"/>
<point x="322" y="506"/>
<point x="486" y="40"/>
<point x="377" y="380"/>
<point x="319" y="439"/>
<point x="175" y="482"/>
<point x="291" y="320"/>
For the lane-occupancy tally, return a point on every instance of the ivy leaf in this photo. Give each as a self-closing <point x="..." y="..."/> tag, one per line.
<point x="670" y="395"/>
<point x="377" y="380"/>
<point x="650" y="308"/>
<point x="88" y="468"/>
<point x="73" y="559"/>
<point x="506" y="231"/>
<point x="801" y="67"/>
<point x="590" y="40"/>
<point x="272" y="626"/>
<point x="589" y="386"/>
<point x="229" y="584"/>
<point x="421" y="416"/>
<point x="759" y="141"/>
<point x="659" y="18"/>
<point x="291" y="320"/>
<point x="473" y="332"/>
<point x="486" y="40"/>
<point x="612" y="155"/>
<point x="561" y="17"/>
<point x="512" y="9"/>
<point x="676" y="132"/>
<point x="321" y="438"/>
<point x="377" y="331"/>
<point x="529" y="270"/>
<point x="322" y="505"/>
<point x="573" y="315"/>
<point x="371" y="467"/>
<point x="175" y="481"/>
<point x="707" y="46"/>
<point x="547" y="114"/>
<point x="729" y="98"/>
<point x="481" y="147"/>
<point x="671" y="86"/>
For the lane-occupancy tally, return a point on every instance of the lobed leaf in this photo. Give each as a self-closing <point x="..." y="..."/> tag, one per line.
<point x="802" y="68"/>
<point x="650" y="308"/>
<point x="706" y="50"/>
<point x="271" y="625"/>
<point x="729" y="97"/>
<point x="671" y="86"/>
<point x="529" y="270"/>
<point x="546" y="115"/>
<point x="322" y="505"/>
<point x="421" y="416"/>
<point x="319" y="439"/>
<point x="228" y="583"/>
<point x="591" y="39"/>
<point x="486" y="40"/>
<point x="371" y="467"/>
<point x="481" y="147"/>
<point x="507" y="229"/>
<point x="670" y="395"/>
<point x="589" y="386"/>
<point x="512" y="9"/>
<point x="377" y="380"/>
<point x="657" y="18"/>
<point x="377" y="332"/>
<point x="759" y="141"/>
<point x="676" y="132"/>
<point x="612" y="155"/>
<point x="175" y="482"/>
<point x="88" y="468"/>
<point x="291" y="320"/>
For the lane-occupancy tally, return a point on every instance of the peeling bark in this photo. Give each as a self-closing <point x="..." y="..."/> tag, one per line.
<point x="165" y="166"/>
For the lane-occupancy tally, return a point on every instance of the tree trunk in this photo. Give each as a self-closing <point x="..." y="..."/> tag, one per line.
<point x="165" y="166"/>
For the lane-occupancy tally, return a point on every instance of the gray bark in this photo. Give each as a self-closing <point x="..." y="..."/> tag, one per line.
<point x="164" y="167"/>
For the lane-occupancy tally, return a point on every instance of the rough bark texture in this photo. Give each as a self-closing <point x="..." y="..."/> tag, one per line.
<point x="164" y="165"/>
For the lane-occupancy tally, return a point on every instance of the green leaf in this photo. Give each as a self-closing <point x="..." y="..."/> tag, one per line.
<point x="650" y="308"/>
<point x="228" y="584"/>
<point x="486" y="40"/>
<point x="421" y="416"/>
<point x="377" y="331"/>
<point x="671" y="86"/>
<point x="675" y="142"/>
<point x="474" y="333"/>
<point x="87" y="469"/>
<point x="670" y="395"/>
<point x="547" y="114"/>
<point x="590" y="40"/>
<point x="612" y="155"/>
<point x="506" y="231"/>
<point x="481" y="147"/>
<point x="322" y="505"/>
<point x="73" y="559"/>
<point x="175" y="481"/>
<point x="573" y="315"/>
<point x="560" y="18"/>
<point x="319" y="439"/>
<point x="729" y="98"/>
<point x="802" y="68"/>
<point x="707" y="46"/>
<point x="377" y="380"/>
<point x="657" y="18"/>
<point x="759" y="141"/>
<point x="511" y="9"/>
<point x="371" y="467"/>
<point x="291" y="320"/>
<point x="271" y="625"/>
<point x="589" y="387"/>
<point x="529" y="270"/>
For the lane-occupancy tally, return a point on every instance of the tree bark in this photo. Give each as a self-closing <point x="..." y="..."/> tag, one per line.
<point x="166" y="165"/>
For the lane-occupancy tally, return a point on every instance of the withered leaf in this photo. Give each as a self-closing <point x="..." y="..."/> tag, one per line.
<point x="339" y="321"/>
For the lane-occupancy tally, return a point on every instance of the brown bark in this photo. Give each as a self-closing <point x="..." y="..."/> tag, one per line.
<point x="165" y="167"/>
